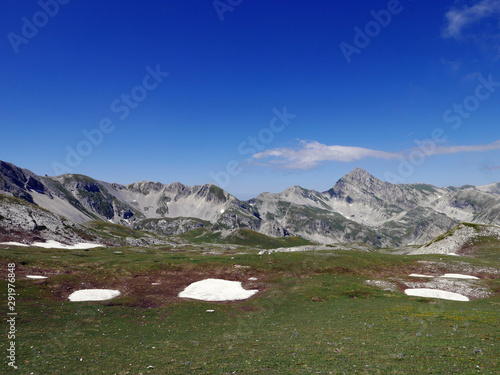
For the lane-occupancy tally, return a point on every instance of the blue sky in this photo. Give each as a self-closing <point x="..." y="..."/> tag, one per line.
<point x="252" y="95"/>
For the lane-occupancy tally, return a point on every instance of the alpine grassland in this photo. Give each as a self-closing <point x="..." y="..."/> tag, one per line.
<point x="316" y="312"/>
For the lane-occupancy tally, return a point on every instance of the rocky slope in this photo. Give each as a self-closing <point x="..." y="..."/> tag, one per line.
<point x="361" y="208"/>
<point x="24" y="222"/>
<point x="460" y="239"/>
<point x="358" y="208"/>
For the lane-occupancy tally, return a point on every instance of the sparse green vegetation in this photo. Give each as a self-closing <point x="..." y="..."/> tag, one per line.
<point x="424" y="187"/>
<point x="476" y="227"/>
<point x="107" y="229"/>
<point x="244" y="237"/>
<point x="218" y="192"/>
<point x="314" y="314"/>
<point x="19" y="201"/>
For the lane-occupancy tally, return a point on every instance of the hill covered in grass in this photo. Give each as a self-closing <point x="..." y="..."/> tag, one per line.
<point x="327" y="311"/>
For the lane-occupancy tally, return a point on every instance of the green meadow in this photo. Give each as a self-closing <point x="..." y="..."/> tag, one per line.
<point x="314" y="313"/>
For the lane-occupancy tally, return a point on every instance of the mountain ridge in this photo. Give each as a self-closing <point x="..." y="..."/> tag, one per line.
<point x="358" y="208"/>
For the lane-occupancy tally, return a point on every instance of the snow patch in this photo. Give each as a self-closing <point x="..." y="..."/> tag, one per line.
<point x="436" y="293"/>
<point x="467" y="287"/>
<point x="36" y="277"/>
<point x="14" y="244"/>
<point x="217" y="290"/>
<point x="51" y="244"/>
<point x="93" y="295"/>
<point x="459" y="276"/>
<point x="419" y="275"/>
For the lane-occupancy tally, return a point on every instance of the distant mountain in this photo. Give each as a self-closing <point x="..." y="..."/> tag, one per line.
<point x="165" y="209"/>
<point x="358" y="208"/>
<point x="493" y="188"/>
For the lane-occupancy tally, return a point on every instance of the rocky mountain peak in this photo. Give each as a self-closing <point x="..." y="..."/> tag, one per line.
<point x="357" y="179"/>
<point x="360" y="176"/>
<point x="296" y="189"/>
<point x="144" y="187"/>
<point x="176" y="187"/>
<point x="19" y="182"/>
<point x="211" y="192"/>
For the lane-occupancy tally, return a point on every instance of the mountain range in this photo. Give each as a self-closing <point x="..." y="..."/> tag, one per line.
<point x="358" y="208"/>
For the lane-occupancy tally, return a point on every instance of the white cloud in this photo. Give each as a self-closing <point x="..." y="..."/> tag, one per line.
<point x="478" y="148"/>
<point x="459" y="19"/>
<point x="310" y="154"/>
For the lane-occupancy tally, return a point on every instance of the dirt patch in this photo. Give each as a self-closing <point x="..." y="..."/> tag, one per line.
<point x="156" y="289"/>
<point x="141" y="290"/>
<point x="163" y="287"/>
<point x="467" y="250"/>
<point x="27" y="237"/>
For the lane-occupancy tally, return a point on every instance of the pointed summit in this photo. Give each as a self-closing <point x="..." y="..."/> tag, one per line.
<point x="358" y="182"/>
<point x="358" y="173"/>
<point x="360" y="177"/>
<point x="295" y="189"/>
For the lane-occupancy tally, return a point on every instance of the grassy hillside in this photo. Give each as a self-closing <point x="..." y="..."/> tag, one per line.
<point x="107" y="229"/>
<point x="244" y="237"/>
<point x="314" y="314"/>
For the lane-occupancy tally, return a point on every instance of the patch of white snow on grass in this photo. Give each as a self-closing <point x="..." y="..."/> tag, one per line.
<point x="459" y="276"/>
<point x="93" y="295"/>
<point x="419" y="275"/>
<point x="36" y="277"/>
<point x="13" y="244"/>
<point x="51" y="244"/>
<point x="217" y="290"/>
<point x="436" y="293"/>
